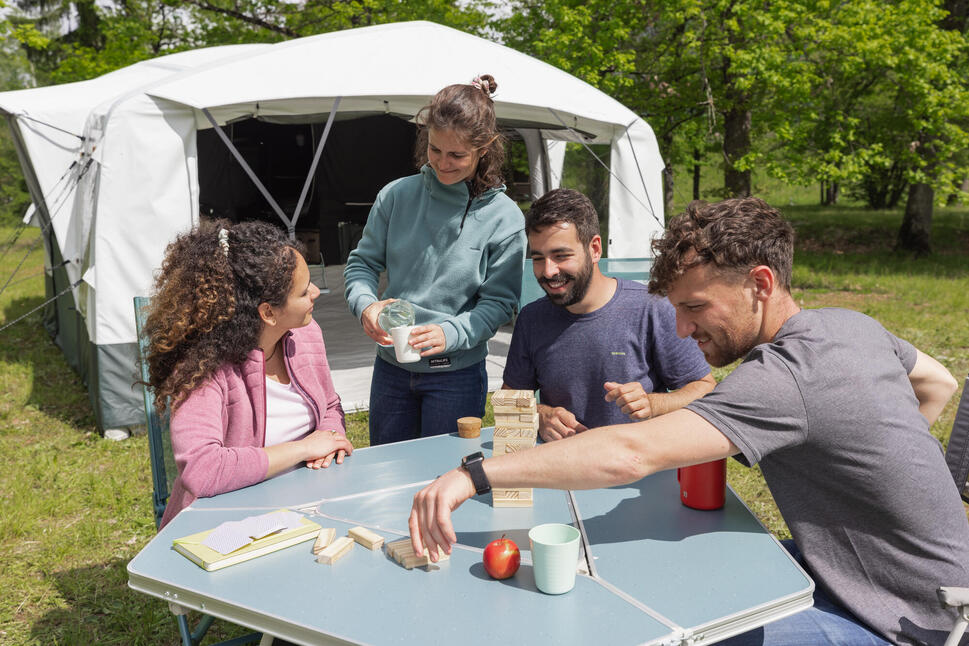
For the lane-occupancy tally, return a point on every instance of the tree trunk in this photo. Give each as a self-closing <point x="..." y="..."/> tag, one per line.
<point x="915" y="234"/>
<point x="831" y="193"/>
<point x="736" y="144"/>
<point x="696" y="173"/>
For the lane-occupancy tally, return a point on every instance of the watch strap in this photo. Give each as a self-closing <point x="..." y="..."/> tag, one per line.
<point x="473" y="465"/>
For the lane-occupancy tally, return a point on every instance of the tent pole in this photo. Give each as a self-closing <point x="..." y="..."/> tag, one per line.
<point x="581" y="140"/>
<point x="290" y="226"/>
<point x="316" y="161"/>
<point x="309" y="180"/>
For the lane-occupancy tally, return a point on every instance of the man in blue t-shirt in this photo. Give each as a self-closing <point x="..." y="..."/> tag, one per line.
<point x="601" y="350"/>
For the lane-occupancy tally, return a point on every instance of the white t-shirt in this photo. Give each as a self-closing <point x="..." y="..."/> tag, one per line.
<point x="288" y="416"/>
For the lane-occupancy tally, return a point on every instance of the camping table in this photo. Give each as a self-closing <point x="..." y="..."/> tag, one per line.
<point x="660" y="573"/>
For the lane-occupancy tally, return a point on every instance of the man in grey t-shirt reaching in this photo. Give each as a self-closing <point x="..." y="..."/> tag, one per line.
<point x="834" y="409"/>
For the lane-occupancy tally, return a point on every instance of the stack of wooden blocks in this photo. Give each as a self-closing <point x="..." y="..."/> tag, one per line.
<point x="516" y="428"/>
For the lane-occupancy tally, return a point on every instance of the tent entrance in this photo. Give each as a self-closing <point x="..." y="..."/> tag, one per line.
<point x="360" y="156"/>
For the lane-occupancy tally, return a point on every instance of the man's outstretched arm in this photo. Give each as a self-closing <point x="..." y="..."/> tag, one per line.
<point x="601" y="457"/>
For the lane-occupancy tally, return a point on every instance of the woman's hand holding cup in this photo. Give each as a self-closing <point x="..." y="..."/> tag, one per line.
<point x="429" y="339"/>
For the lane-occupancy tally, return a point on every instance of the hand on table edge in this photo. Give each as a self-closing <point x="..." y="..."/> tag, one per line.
<point x="342" y="448"/>
<point x="430" y="516"/>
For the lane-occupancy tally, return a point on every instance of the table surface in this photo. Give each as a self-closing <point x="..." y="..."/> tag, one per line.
<point x="659" y="572"/>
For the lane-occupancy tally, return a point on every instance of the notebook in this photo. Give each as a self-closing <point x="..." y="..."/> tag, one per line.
<point x="192" y="546"/>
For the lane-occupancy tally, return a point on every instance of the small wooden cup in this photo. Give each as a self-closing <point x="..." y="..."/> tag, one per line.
<point x="469" y="427"/>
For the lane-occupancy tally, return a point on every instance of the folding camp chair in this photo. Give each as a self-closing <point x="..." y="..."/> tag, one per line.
<point x="957" y="457"/>
<point x="163" y="472"/>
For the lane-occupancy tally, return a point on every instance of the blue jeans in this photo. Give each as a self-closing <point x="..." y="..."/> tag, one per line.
<point x="407" y="405"/>
<point x="825" y="623"/>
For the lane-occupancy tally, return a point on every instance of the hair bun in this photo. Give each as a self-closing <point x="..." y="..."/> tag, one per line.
<point x="486" y="83"/>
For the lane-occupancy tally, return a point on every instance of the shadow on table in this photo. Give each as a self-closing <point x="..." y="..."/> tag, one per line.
<point x="655" y="513"/>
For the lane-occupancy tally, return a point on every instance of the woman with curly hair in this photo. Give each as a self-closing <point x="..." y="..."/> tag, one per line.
<point x="236" y="356"/>
<point x="452" y="243"/>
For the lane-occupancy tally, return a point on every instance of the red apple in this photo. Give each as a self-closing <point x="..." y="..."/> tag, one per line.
<point x="502" y="558"/>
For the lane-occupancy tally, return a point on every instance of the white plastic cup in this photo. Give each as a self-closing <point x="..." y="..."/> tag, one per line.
<point x="555" y="553"/>
<point x="404" y="351"/>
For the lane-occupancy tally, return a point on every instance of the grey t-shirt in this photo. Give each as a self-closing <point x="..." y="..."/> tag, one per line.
<point x="570" y="356"/>
<point x="829" y="413"/>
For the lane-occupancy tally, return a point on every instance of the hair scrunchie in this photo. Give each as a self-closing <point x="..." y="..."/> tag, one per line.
<point x="224" y="241"/>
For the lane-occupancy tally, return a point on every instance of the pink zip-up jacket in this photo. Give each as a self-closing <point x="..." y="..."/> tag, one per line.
<point x="219" y="430"/>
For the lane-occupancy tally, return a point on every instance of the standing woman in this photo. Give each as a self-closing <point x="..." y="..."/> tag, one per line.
<point x="235" y="354"/>
<point x="452" y="243"/>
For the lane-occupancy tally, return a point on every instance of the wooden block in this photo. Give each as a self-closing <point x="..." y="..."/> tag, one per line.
<point x="505" y="434"/>
<point x="501" y="448"/>
<point x="370" y="540"/>
<point x="403" y="552"/>
<point x="516" y="420"/>
<point x="325" y="537"/>
<point x="335" y="550"/>
<point x="511" y="498"/>
<point x="518" y="398"/>
<point x="515" y="409"/>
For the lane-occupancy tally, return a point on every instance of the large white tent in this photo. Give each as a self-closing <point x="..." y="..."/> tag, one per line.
<point x="113" y="164"/>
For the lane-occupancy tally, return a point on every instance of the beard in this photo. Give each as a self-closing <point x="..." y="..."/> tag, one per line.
<point x="578" y="285"/>
<point x="726" y="347"/>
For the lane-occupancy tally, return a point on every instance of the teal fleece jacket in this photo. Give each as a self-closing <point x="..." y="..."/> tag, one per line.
<point x="457" y="259"/>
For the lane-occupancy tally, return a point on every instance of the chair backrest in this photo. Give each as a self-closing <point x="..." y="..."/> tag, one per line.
<point x="957" y="453"/>
<point x="629" y="268"/>
<point x="163" y="469"/>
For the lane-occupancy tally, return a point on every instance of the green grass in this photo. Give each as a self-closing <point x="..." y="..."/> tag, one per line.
<point x="76" y="508"/>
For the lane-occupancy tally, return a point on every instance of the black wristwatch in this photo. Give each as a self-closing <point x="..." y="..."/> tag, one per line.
<point x="472" y="464"/>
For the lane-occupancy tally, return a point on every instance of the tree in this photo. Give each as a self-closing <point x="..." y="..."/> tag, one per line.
<point x="697" y="70"/>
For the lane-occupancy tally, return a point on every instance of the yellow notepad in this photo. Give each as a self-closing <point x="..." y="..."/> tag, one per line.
<point x="206" y="557"/>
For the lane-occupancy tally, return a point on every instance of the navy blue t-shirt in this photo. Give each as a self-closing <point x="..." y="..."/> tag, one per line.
<point x="570" y="356"/>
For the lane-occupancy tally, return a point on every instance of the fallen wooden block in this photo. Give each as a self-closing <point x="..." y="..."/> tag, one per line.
<point x="335" y="550"/>
<point x="325" y="537"/>
<point x="403" y="552"/>
<point x="511" y="497"/>
<point x="370" y="540"/>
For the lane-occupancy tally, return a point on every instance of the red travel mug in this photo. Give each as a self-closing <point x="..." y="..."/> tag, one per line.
<point x="703" y="486"/>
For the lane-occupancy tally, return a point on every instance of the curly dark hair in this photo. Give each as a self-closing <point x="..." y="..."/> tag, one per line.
<point x="470" y="111"/>
<point x="564" y="205"/>
<point x="204" y="311"/>
<point x="733" y="235"/>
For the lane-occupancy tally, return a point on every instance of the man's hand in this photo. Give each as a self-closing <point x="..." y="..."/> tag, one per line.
<point x="370" y="325"/>
<point x="631" y="398"/>
<point x="555" y="423"/>
<point x="430" y="517"/>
